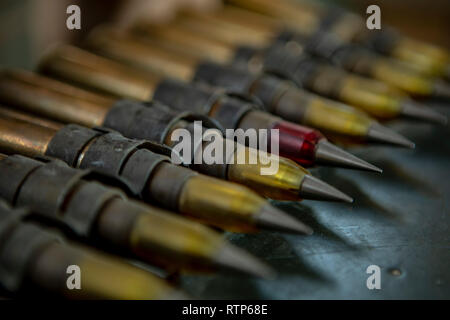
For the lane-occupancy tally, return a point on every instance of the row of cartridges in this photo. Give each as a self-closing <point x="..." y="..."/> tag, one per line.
<point x="87" y="176"/>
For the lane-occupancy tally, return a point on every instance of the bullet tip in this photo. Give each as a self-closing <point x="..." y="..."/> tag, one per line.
<point x="415" y="110"/>
<point x="329" y="154"/>
<point x="272" y="218"/>
<point x="382" y="134"/>
<point x="315" y="189"/>
<point x="232" y="258"/>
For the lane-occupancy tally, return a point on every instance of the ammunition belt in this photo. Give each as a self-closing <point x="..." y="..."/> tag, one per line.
<point x="383" y="40"/>
<point x="150" y="121"/>
<point x="182" y="96"/>
<point x="18" y="244"/>
<point x="267" y="90"/>
<point x="108" y="152"/>
<point x="54" y="190"/>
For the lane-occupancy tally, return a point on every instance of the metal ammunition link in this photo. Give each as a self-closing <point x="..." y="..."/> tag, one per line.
<point x="297" y="68"/>
<point x="266" y="88"/>
<point x="19" y="243"/>
<point x="108" y="152"/>
<point x="150" y="121"/>
<point x="56" y="191"/>
<point x="228" y="107"/>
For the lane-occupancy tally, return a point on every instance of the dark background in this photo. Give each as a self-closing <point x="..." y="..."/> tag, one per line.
<point x="400" y="221"/>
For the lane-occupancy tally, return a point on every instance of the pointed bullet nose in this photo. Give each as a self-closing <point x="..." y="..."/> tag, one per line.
<point x="232" y="258"/>
<point x="329" y="154"/>
<point x="382" y="134"/>
<point x="418" y="111"/>
<point x="272" y="218"/>
<point x="315" y="189"/>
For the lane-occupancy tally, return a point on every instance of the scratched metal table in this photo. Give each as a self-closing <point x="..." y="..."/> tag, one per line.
<point x="399" y="221"/>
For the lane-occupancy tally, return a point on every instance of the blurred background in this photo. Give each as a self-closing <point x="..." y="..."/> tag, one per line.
<point x="28" y="27"/>
<point x="422" y="19"/>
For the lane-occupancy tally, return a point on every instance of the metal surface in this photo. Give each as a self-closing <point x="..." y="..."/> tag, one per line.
<point x="48" y="272"/>
<point x="102" y="215"/>
<point x="17" y="136"/>
<point x="86" y="69"/>
<point x="132" y="50"/>
<point x="285" y="184"/>
<point x="399" y="221"/>
<point x="230" y="27"/>
<point x="376" y="98"/>
<point x="32" y="257"/>
<point x="173" y="34"/>
<point x="328" y="154"/>
<point x="53" y="98"/>
<point x="313" y="188"/>
<point x="305" y="18"/>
